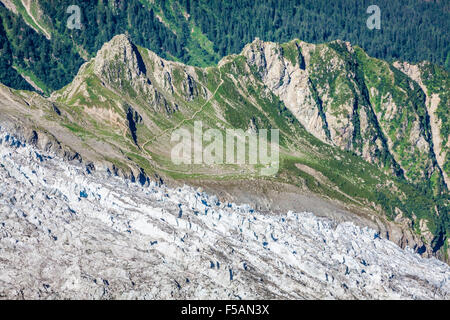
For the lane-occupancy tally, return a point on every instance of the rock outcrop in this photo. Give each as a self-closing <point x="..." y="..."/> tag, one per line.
<point x="333" y="91"/>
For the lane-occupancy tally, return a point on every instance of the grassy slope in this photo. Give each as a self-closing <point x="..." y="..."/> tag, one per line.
<point x="31" y="20"/>
<point x="347" y="177"/>
<point x="200" y="48"/>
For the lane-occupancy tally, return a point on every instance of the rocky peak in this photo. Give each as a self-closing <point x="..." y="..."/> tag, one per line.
<point x="262" y="55"/>
<point x="120" y="60"/>
<point x="288" y="80"/>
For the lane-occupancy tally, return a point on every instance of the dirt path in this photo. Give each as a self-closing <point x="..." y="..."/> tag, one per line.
<point x="324" y="180"/>
<point x="184" y="120"/>
<point x="27" y="5"/>
<point x="9" y="5"/>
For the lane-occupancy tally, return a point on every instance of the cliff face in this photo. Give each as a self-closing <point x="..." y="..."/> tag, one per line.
<point x="356" y="130"/>
<point x="435" y="86"/>
<point x="384" y="113"/>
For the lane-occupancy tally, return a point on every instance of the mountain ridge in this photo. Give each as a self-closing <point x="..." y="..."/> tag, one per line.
<point x="253" y="89"/>
<point x="201" y="35"/>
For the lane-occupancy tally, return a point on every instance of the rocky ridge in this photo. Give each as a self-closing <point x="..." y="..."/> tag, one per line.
<point x="330" y="90"/>
<point x="90" y="118"/>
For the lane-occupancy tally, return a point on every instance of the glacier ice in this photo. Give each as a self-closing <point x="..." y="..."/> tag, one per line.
<point x="66" y="233"/>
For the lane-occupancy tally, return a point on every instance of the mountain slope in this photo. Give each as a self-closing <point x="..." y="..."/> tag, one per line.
<point x="31" y="13"/>
<point x="358" y="103"/>
<point x="123" y="105"/>
<point x="201" y="32"/>
<point x="69" y="234"/>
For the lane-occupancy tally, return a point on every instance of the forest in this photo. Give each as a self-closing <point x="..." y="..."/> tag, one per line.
<point x="200" y="32"/>
<point x="411" y="30"/>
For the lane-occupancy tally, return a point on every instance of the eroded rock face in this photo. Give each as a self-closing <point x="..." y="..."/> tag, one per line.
<point x="299" y="84"/>
<point x="287" y="81"/>
<point x="347" y="99"/>
<point x="292" y="79"/>
<point x="65" y="233"/>
<point x="432" y="103"/>
<point x="119" y="61"/>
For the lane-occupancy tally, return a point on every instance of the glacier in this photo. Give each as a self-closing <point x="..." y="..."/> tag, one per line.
<point x="69" y="233"/>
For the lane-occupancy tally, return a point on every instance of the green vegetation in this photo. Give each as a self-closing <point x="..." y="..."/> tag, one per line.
<point x="412" y="30"/>
<point x="50" y="64"/>
<point x="291" y="51"/>
<point x="346" y="86"/>
<point x="202" y="32"/>
<point x="29" y="19"/>
<point x="437" y="81"/>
